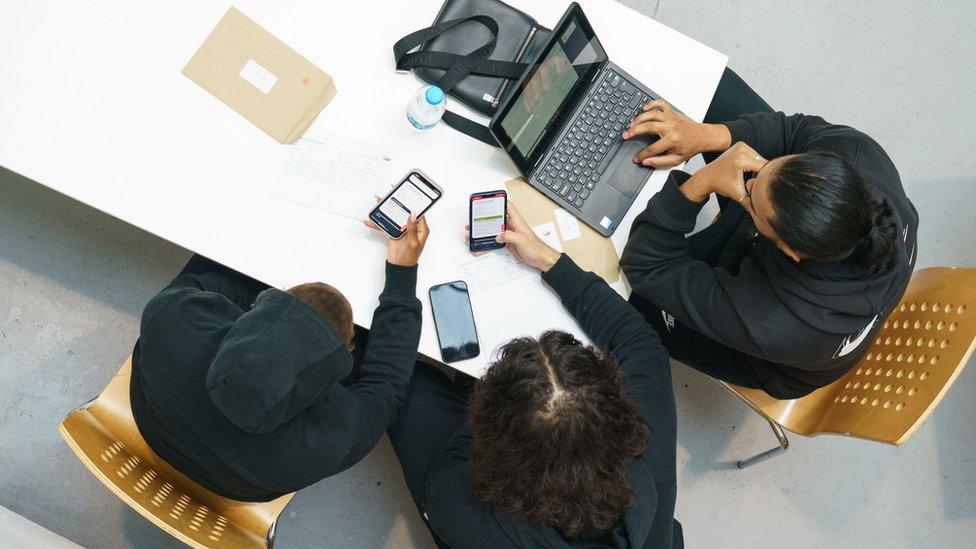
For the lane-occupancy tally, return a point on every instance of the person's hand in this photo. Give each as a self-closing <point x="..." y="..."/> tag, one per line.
<point x="405" y="251"/>
<point x="680" y="136"/>
<point x="525" y="244"/>
<point x="725" y="175"/>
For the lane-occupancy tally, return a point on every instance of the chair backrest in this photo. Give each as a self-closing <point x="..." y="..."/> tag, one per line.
<point x="104" y="436"/>
<point x="915" y="357"/>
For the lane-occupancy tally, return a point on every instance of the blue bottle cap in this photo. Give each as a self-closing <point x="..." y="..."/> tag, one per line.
<point x="434" y="95"/>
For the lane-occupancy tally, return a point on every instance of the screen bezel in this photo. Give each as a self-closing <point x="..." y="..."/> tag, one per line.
<point x="483" y="245"/>
<point x="380" y="221"/>
<point x="526" y="165"/>
<point x="474" y="325"/>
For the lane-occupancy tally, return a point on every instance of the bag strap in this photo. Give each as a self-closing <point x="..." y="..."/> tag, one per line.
<point x="470" y="128"/>
<point x="446" y="61"/>
<point x="457" y="67"/>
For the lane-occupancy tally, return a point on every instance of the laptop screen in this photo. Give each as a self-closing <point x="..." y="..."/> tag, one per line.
<point x="549" y="90"/>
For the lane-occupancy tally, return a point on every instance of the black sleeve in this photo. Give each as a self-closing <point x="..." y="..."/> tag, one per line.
<point x="658" y="267"/>
<point x="616" y="327"/>
<point x="608" y="320"/>
<point x="223" y="283"/>
<point x="391" y="352"/>
<point x="775" y="134"/>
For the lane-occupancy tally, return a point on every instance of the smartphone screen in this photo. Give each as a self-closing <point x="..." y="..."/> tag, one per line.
<point x="415" y="194"/>
<point x="454" y="320"/>
<point x="487" y="219"/>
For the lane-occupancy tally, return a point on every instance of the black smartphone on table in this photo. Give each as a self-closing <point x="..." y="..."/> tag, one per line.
<point x="414" y="194"/>
<point x="486" y="219"/>
<point x="454" y="320"/>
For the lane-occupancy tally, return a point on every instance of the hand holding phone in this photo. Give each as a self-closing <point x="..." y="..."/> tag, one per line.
<point x="525" y="244"/>
<point x="486" y="220"/>
<point x="412" y="196"/>
<point x="406" y="251"/>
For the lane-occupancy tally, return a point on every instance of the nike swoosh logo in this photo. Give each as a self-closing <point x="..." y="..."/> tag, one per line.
<point x="848" y="346"/>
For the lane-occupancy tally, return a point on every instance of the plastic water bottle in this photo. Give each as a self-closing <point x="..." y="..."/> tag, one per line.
<point x="426" y="108"/>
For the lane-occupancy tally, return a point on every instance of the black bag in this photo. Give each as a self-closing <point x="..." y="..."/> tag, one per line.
<point x="474" y="51"/>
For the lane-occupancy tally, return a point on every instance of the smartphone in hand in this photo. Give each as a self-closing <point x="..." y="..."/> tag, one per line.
<point x="414" y="194"/>
<point x="486" y="219"/>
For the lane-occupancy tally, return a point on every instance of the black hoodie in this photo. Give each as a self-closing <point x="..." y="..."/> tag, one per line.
<point x="242" y="394"/>
<point x="801" y="324"/>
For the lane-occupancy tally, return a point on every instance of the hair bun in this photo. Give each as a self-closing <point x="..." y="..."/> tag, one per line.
<point x="880" y="240"/>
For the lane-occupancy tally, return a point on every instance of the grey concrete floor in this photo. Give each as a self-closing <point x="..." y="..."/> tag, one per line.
<point x="73" y="282"/>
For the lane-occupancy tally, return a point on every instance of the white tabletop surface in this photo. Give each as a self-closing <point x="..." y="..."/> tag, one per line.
<point x="93" y="105"/>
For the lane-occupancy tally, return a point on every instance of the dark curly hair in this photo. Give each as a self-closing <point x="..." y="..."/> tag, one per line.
<point x="553" y="434"/>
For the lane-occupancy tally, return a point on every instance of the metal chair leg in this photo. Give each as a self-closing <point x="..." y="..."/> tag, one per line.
<point x="269" y="537"/>
<point x="784" y="444"/>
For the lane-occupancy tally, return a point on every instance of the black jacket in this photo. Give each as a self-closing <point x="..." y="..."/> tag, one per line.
<point x="802" y="324"/>
<point x="242" y="394"/>
<point x="460" y="520"/>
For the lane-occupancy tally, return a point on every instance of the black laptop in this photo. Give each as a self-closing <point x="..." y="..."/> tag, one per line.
<point x="561" y="126"/>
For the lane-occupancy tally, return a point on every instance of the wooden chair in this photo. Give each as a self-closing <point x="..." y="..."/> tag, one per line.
<point x="104" y="436"/>
<point x="916" y="356"/>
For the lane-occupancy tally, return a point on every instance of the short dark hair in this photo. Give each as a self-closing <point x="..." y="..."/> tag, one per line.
<point x="553" y="434"/>
<point x="825" y="212"/>
<point x="331" y="303"/>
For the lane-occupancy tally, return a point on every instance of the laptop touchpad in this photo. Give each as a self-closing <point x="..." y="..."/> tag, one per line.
<point x="628" y="177"/>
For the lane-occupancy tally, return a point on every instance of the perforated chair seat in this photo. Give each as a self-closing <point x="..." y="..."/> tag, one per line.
<point x="104" y="436"/>
<point x="915" y="357"/>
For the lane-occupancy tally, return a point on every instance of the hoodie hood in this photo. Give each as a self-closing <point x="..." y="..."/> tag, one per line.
<point x="835" y="298"/>
<point x="275" y="362"/>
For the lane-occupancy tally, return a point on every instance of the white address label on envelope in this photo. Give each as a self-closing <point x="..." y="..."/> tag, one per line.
<point x="547" y="232"/>
<point x="568" y="225"/>
<point x="258" y="76"/>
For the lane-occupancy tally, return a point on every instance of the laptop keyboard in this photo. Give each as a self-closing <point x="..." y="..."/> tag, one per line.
<point x="584" y="153"/>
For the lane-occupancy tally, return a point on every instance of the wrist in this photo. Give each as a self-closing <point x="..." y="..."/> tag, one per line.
<point x="695" y="189"/>
<point x="718" y="138"/>
<point x="393" y="259"/>
<point x="549" y="259"/>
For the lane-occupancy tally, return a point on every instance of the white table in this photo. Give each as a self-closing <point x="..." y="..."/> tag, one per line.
<point x="93" y="105"/>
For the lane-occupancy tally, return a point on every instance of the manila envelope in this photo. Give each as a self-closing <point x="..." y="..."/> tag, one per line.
<point x="591" y="251"/>
<point x="260" y="77"/>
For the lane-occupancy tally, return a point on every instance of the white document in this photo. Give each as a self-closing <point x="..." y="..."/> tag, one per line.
<point x="568" y="225"/>
<point x="493" y="269"/>
<point x="547" y="232"/>
<point x="335" y="174"/>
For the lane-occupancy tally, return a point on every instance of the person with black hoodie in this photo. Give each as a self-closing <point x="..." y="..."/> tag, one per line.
<point x="244" y="388"/>
<point x="813" y="248"/>
<point x="559" y="444"/>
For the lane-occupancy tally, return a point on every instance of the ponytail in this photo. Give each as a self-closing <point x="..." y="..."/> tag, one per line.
<point x="880" y="240"/>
